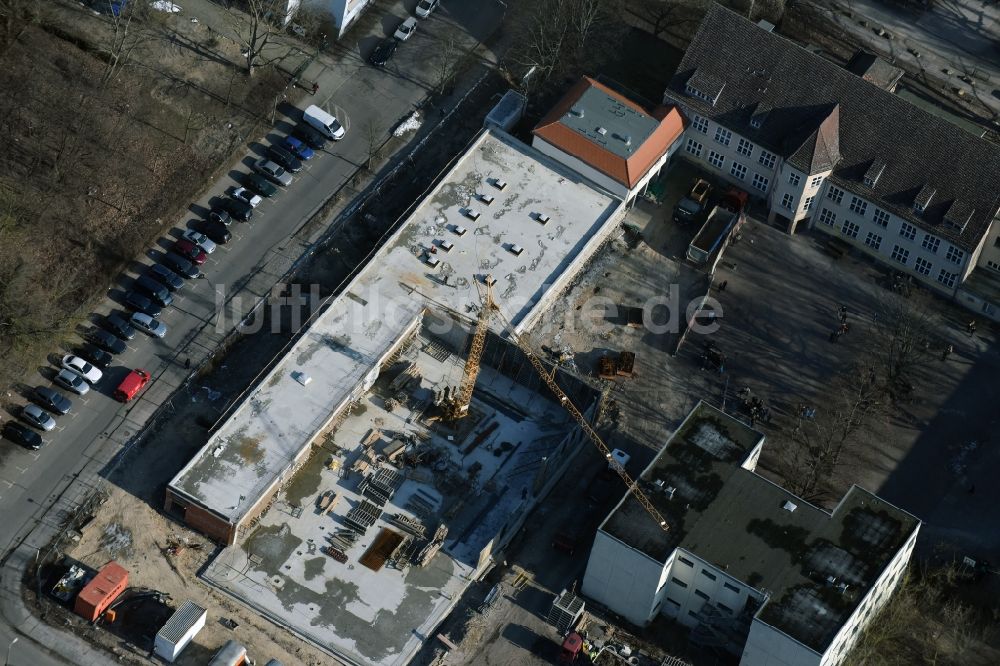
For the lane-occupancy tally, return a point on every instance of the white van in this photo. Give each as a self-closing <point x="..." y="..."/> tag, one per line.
<point x="324" y="122"/>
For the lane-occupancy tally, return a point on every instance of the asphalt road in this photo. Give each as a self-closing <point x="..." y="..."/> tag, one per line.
<point x="32" y="482"/>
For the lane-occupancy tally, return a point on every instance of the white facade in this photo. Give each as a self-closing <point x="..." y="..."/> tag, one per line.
<point x="625" y="579"/>
<point x="344" y="12"/>
<point x="602" y="180"/>
<point x="900" y="244"/>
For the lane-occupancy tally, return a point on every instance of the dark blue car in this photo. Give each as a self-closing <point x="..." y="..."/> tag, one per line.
<point x="297" y="148"/>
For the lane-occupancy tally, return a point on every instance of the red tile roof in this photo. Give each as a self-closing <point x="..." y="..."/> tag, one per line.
<point x="627" y="171"/>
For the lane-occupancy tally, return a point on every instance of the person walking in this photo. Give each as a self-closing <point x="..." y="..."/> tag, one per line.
<point x="971" y="327"/>
<point x="315" y="88"/>
<point x="947" y="351"/>
<point x="722" y="287"/>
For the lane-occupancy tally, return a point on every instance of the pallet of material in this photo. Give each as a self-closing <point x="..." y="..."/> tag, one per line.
<point x="382" y="548"/>
<point x="626" y="364"/>
<point x="335" y="554"/>
<point x="363" y="516"/>
<point x="606" y="368"/>
<point x="373" y="436"/>
<point x="411" y="525"/>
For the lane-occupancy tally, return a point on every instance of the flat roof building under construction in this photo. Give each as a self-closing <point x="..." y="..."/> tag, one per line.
<point x="745" y="564"/>
<point x="504" y="210"/>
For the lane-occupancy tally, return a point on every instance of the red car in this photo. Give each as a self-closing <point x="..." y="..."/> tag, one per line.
<point x="131" y="385"/>
<point x="189" y="250"/>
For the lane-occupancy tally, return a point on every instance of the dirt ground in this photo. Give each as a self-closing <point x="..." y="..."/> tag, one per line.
<point x="101" y="158"/>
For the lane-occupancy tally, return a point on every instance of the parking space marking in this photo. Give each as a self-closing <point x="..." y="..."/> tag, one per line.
<point x="9" y="483"/>
<point x="21" y="470"/>
<point x="59" y="428"/>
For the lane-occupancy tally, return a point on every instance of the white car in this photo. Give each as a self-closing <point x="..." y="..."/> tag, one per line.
<point x="82" y="367"/>
<point x="425" y="7"/>
<point x="245" y="195"/>
<point x="71" y="382"/>
<point x="148" y="325"/>
<point x="406" y="29"/>
<point x="200" y="239"/>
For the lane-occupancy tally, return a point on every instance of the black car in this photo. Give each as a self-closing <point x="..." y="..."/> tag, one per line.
<point x="284" y="158"/>
<point x="180" y="265"/>
<point x="23" y="435"/>
<point x="216" y="232"/>
<point x="241" y="210"/>
<point x="154" y="290"/>
<point x="383" y="52"/>
<point x="160" y="273"/>
<point x="52" y="400"/>
<point x="97" y="357"/>
<point x="260" y="185"/>
<point x="312" y="137"/>
<point x="119" y="326"/>
<point x="221" y="216"/>
<point x="106" y="341"/>
<point x="140" y="303"/>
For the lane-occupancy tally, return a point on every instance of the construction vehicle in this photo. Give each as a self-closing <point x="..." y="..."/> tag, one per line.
<point x="724" y="219"/>
<point x="458" y="405"/>
<point x="693" y="205"/>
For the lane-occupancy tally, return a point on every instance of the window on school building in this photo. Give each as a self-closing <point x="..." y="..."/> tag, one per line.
<point x="901" y="255"/>
<point x="738" y="170"/>
<point x="835" y="194"/>
<point x="859" y="206"/>
<point x="794" y="179"/>
<point x="767" y="159"/>
<point x="922" y="266"/>
<point x="826" y="216"/>
<point x="745" y="148"/>
<point x="908" y="231"/>
<point x="693" y="147"/>
<point x="850" y="229"/>
<point x="760" y="182"/>
<point x="873" y="240"/>
<point x="880" y="217"/>
<point x="954" y="255"/>
<point x="787" y="200"/>
<point x="700" y="124"/>
<point x="816" y="181"/>
<point x="716" y="159"/>
<point x="723" y="136"/>
<point x="946" y="278"/>
<point x="807" y="203"/>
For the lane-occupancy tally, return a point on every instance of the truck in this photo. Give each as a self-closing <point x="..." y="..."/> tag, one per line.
<point x="727" y="216"/>
<point x="323" y="122"/>
<point x="690" y="207"/>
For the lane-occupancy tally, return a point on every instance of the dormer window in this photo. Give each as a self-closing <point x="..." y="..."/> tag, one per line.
<point x="756" y="122"/>
<point x="705" y="86"/>
<point x="918" y="207"/>
<point x="872" y="174"/>
<point x="923" y="199"/>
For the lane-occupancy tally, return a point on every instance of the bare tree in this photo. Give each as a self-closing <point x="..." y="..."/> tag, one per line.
<point x="123" y="39"/>
<point x="814" y="450"/>
<point x="254" y="28"/>
<point x="658" y="14"/>
<point x="374" y="133"/>
<point x="902" y="339"/>
<point x="446" y="65"/>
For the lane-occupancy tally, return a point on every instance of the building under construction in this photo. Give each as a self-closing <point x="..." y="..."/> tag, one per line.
<point x="357" y="507"/>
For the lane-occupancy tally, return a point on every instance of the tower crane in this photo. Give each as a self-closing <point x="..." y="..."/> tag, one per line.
<point x="458" y="405"/>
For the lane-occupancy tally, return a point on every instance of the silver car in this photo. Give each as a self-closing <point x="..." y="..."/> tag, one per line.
<point x="273" y="172"/>
<point x="71" y="381"/>
<point x="200" y="239"/>
<point x="148" y="325"/>
<point x="37" y="417"/>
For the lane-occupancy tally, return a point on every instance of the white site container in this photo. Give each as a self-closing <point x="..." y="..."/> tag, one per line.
<point x="179" y="630"/>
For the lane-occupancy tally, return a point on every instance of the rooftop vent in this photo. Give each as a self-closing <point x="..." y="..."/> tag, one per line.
<point x="486" y="198"/>
<point x="627" y="139"/>
<point x="575" y="111"/>
<point x="669" y="492"/>
<point x="543" y="218"/>
<point x="471" y="213"/>
<point x="489" y="280"/>
<point x="446" y="245"/>
<point x="458" y="230"/>
<point x="789" y="506"/>
<point x="515" y="249"/>
<point x="602" y="131"/>
<point x="301" y="378"/>
<point x="497" y="183"/>
<point x="431" y="260"/>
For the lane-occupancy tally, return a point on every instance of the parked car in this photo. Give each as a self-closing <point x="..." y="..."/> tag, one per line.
<point x="140" y="303"/>
<point x="425" y="7"/>
<point x="246" y="196"/>
<point x="189" y="251"/>
<point x="284" y="159"/>
<point x="217" y="231"/>
<point x="273" y="172"/>
<point x="81" y="367"/>
<point x="106" y="341"/>
<point x="22" y="435"/>
<point x="38" y="417"/>
<point x="383" y="52"/>
<point x="97" y="357"/>
<point x="117" y="325"/>
<point x="180" y="265"/>
<point x="235" y="208"/>
<point x="700" y="190"/>
<point x="155" y="290"/>
<point x="199" y="239"/>
<point x="221" y="216"/>
<point x="310" y="136"/>
<point x="71" y="382"/>
<point x="296" y="147"/>
<point x="323" y="122"/>
<point x="148" y="325"/>
<point x="260" y="185"/>
<point x="406" y="29"/>
<point x="162" y="275"/>
<point x="52" y="400"/>
<point x="131" y="385"/>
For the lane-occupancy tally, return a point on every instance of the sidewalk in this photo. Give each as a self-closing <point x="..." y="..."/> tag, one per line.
<point x="46" y="644"/>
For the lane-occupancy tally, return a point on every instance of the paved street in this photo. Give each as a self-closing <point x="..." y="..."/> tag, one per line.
<point x="42" y="487"/>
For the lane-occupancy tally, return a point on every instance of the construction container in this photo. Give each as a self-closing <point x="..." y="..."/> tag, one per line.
<point x="179" y="630"/>
<point x="231" y="654"/>
<point x="98" y="594"/>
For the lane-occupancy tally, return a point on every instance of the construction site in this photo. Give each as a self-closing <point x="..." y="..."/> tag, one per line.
<point x="387" y="459"/>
